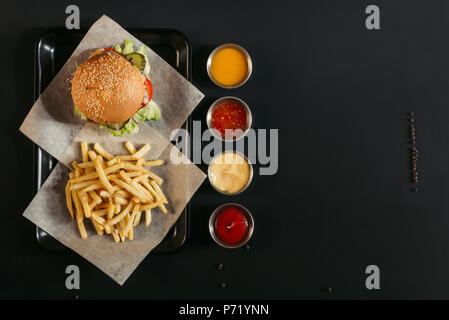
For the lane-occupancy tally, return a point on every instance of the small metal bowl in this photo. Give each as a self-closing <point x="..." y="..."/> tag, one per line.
<point x="215" y="132"/>
<point x="249" y="217"/>
<point x="249" y="64"/>
<point x="251" y="172"/>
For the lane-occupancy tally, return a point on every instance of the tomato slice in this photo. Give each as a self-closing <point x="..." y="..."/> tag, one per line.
<point x="149" y="88"/>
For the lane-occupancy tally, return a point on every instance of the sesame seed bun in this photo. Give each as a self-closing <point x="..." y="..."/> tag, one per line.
<point x="107" y="88"/>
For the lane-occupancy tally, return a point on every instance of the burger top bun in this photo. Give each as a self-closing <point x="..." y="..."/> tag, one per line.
<point x="107" y="88"/>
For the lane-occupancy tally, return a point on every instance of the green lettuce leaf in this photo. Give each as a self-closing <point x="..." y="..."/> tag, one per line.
<point x="129" y="128"/>
<point x="118" y="48"/>
<point x="142" y="49"/>
<point x="79" y="113"/>
<point x="150" y="112"/>
<point x="128" y="47"/>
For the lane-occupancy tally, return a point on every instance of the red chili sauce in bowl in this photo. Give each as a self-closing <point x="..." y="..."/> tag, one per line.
<point x="229" y="114"/>
<point x="231" y="225"/>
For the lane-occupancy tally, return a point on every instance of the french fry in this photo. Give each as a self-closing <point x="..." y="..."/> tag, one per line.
<point x="81" y="228"/>
<point x="135" y="200"/>
<point x="152" y="175"/>
<point x="111" y="162"/>
<point x="107" y="228"/>
<point x="147" y="217"/>
<point x="143" y="190"/>
<point x="92" y="187"/>
<point x="125" y="177"/>
<point x="163" y="208"/>
<point x="159" y="191"/>
<point x="76" y="166"/>
<point x="111" y="209"/>
<point x="141" y="177"/>
<point x="105" y="194"/>
<point x="153" y="163"/>
<point x="79" y="215"/>
<point x="121" y="227"/>
<point x="133" y="174"/>
<point x="151" y="190"/>
<point x="77" y="202"/>
<point x="102" y="176"/>
<point x="121" y="215"/>
<point x="161" y="196"/>
<point x="92" y="205"/>
<point x="131" y="190"/>
<point x="98" y="219"/>
<point x="114" y="193"/>
<point x="131" y="233"/>
<point x="87" y="164"/>
<point x="102" y="151"/>
<point x="137" y="219"/>
<point x="114" y="233"/>
<point x="95" y="197"/>
<point x="156" y="178"/>
<point x="82" y="185"/>
<point x="68" y="198"/>
<point x="99" y="228"/>
<point x="120" y="200"/>
<point x="100" y="212"/>
<point x="84" y="150"/>
<point x="85" y="203"/>
<point x="125" y="157"/>
<point x="130" y="147"/>
<point x="92" y="155"/>
<point x="129" y="223"/>
<point x="102" y="205"/>
<point x="122" y="193"/>
<point x="150" y="205"/>
<point x="142" y="151"/>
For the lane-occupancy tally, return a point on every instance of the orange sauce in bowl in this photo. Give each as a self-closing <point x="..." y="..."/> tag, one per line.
<point x="229" y="67"/>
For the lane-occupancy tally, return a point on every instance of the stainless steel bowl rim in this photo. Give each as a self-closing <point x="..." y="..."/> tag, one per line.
<point x="250" y="225"/>
<point x="251" y="173"/>
<point x="245" y="54"/>
<point x="215" y="132"/>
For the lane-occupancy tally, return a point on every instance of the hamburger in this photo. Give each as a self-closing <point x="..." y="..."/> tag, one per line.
<point x="112" y="88"/>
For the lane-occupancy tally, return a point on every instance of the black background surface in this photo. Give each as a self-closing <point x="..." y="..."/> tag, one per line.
<point x="341" y="199"/>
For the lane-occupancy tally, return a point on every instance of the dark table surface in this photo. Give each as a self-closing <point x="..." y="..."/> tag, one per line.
<point x="341" y="198"/>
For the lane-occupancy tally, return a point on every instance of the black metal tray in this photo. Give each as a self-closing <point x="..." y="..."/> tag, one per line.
<point x="53" y="48"/>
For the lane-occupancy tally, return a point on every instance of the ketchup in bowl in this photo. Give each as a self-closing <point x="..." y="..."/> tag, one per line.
<point x="231" y="225"/>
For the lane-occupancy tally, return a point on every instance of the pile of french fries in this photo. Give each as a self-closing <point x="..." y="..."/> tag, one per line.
<point x="113" y="192"/>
